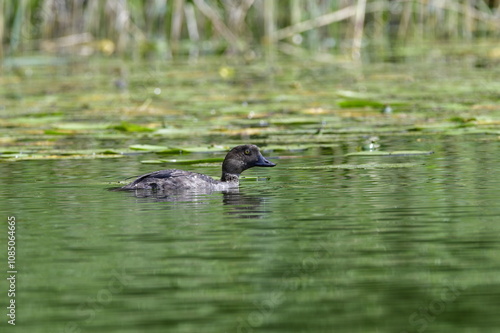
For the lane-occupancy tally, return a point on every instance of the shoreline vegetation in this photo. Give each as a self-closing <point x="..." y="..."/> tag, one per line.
<point x="166" y="29"/>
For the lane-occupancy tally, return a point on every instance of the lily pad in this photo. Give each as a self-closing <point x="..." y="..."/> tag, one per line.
<point x="391" y="153"/>
<point x="187" y="162"/>
<point x="205" y="149"/>
<point x="296" y="121"/>
<point x="82" y="126"/>
<point x="25" y="121"/>
<point x="173" y="150"/>
<point x="360" y="103"/>
<point x="59" y="132"/>
<point x="37" y="157"/>
<point x="154" y="148"/>
<point x="256" y="178"/>
<point x="152" y="162"/>
<point x="357" y="166"/>
<point x="295" y="147"/>
<point x="129" y="127"/>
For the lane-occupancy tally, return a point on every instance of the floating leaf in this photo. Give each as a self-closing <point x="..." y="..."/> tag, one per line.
<point x="82" y="126"/>
<point x="390" y="153"/>
<point x="359" y="103"/>
<point x="26" y="157"/>
<point x="156" y="149"/>
<point x="35" y="120"/>
<point x="129" y="127"/>
<point x="148" y="147"/>
<point x="257" y="178"/>
<point x="295" y="147"/>
<point x="205" y="149"/>
<point x="296" y="121"/>
<point x="59" y="132"/>
<point x="152" y="162"/>
<point x="356" y="166"/>
<point x="350" y="94"/>
<point x="196" y="161"/>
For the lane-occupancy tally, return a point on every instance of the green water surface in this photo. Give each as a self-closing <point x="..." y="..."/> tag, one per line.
<point x="323" y="242"/>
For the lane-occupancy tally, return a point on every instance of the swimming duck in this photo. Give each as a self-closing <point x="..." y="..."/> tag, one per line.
<point x="236" y="161"/>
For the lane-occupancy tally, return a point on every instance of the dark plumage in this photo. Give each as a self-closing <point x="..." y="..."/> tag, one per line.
<point x="237" y="160"/>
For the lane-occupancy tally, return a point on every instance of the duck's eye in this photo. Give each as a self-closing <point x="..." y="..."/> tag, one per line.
<point x="247" y="151"/>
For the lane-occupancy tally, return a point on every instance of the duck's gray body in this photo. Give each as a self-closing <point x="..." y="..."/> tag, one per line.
<point x="237" y="160"/>
<point x="173" y="179"/>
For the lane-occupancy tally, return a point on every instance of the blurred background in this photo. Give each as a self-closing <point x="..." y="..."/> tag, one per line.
<point x="169" y="28"/>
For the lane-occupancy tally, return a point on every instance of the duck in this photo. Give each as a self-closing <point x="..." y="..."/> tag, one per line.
<point x="237" y="160"/>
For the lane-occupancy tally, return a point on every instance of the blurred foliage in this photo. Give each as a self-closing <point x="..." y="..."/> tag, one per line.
<point x="164" y="28"/>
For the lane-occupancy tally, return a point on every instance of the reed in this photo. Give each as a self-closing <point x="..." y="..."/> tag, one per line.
<point x="177" y="27"/>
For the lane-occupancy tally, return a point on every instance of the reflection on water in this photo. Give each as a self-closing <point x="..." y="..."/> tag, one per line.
<point x="245" y="206"/>
<point x="155" y="195"/>
<point x="241" y="205"/>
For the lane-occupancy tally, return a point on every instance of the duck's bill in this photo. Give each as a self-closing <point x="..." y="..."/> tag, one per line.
<point x="263" y="162"/>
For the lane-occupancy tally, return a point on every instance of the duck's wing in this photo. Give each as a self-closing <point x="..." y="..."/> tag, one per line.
<point x="156" y="175"/>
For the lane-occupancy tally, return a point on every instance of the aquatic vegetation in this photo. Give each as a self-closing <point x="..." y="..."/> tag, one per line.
<point x="197" y="112"/>
<point x="56" y="155"/>
<point x="184" y="161"/>
<point x="391" y="153"/>
<point x="357" y="166"/>
<point x="129" y="127"/>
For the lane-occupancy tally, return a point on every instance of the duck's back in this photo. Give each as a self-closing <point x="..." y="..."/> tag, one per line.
<point x="173" y="179"/>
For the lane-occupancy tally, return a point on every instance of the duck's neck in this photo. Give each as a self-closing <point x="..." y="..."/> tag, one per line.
<point x="230" y="177"/>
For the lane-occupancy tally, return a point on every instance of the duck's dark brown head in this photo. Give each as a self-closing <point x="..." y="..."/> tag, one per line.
<point x="241" y="158"/>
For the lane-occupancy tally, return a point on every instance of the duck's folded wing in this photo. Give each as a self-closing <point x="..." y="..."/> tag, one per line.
<point x="160" y="174"/>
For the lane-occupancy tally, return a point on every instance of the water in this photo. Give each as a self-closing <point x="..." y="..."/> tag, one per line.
<point x="412" y="249"/>
<point x="361" y="250"/>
